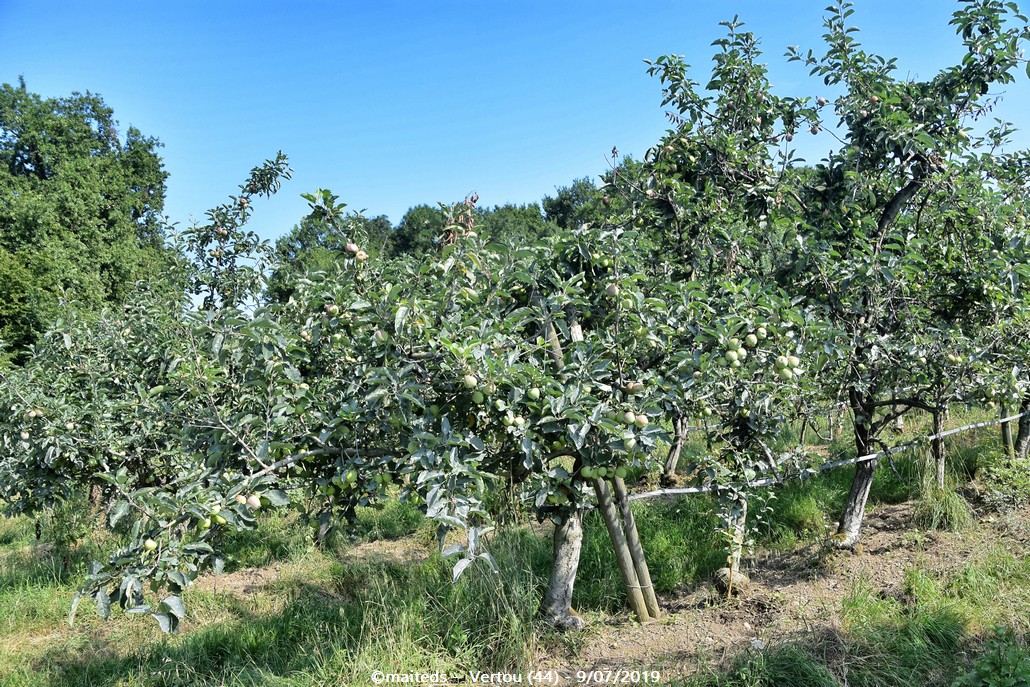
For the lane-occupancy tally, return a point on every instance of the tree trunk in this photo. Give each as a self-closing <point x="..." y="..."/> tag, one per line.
<point x="937" y="446"/>
<point x="1023" y="430"/>
<point x="556" y="606"/>
<point x="672" y="460"/>
<point x="1006" y="432"/>
<point x="850" y="527"/>
<point x="737" y="523"/>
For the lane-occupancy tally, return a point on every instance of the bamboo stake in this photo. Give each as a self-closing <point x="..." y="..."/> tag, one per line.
<point x="622" y="555"/>
<point x="635" y="549"/>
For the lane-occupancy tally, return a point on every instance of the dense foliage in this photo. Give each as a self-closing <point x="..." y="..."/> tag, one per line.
<point x="79" y="209"/>
<point x="481" y="363"/>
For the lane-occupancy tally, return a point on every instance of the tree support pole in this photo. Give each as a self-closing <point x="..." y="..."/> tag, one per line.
<point x="622" y="554"/>
<point x="635" y="549"/>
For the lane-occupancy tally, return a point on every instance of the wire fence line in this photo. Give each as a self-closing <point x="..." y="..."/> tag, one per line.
<point x="825" y="467"/>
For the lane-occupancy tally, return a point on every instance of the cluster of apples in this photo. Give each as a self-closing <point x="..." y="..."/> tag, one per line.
<point x="359" y="255"/>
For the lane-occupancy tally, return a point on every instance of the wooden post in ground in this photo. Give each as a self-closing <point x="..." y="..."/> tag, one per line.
<point x="635" y="549"/>
<point x="622" y="554"/>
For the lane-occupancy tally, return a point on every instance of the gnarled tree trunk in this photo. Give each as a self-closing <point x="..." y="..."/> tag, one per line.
<point x="1023" y="431"/>
<point x="849" y="530"/>
<point x="556" y="606"/>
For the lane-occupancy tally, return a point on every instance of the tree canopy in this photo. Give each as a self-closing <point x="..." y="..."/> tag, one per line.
<point x="80" y="209"/>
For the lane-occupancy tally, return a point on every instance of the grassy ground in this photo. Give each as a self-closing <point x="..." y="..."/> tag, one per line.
<point x="286" y="613"/>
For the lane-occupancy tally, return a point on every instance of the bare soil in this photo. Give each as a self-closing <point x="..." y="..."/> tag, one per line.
<point x="791" y="594"/>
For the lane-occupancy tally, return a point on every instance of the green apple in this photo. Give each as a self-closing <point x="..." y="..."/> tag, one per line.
<point x="601" y="472"/>
<point x="254" y="501"/>
<point x="470" y="381"/>
<point x="332" y="309"/>
<point x="731" y="356"/>
<point x="734" y="344"/>
<point x="612" y="290"/>
<point x="351" y="477"/>
<point x="629" y="417"/>
<point x="750" y="340"/>
<point x="500" y="405"/>
<point x="786" y="374"/>
<point x="793" y="361"/>
<point x="520" y="422"/>
<point x="762" y="333"/>
<point x="587" y="472"/>
<point x="621" y="472"/>
<point x="241" y="499"/>
<point x="219" y="519"/>
<point x="533" y="394"/>
<point x="150" y="545"/>
<point x="641" y="421"/>
<point x="782" y="362"/>
<point x="507" y="420"/>
<point x="478" y="397"/>
<point x="205" y="523"/>
<point x="629" y="443"/>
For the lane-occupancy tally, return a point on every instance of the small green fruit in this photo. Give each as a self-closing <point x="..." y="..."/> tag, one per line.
<point x="533" y="394"/>
<point x="219" y="519"/>
<point x="478" y="397"/>
<point x="750" y="340"/>
<point x="470" y="381"/>
<point x="641" y="421"/>
<point x="150" y="545"/>
<point x="254" y="501"/>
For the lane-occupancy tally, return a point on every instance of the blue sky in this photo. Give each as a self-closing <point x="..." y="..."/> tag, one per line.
<point x="390" y="104"/>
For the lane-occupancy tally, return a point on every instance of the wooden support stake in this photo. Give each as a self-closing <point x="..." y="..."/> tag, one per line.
<point x="635" y="549"/>
<point x="622" y="555"/>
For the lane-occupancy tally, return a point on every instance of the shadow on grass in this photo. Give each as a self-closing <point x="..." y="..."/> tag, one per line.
<point x="922" y="648"/>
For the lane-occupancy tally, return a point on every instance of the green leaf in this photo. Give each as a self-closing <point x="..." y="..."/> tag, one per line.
<point x="174" y="605"/>
<point x="277" y="497"/>
<point x="119" y="511"/>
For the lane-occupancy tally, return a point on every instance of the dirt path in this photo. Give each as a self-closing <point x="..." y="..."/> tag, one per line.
<point x="792" y="593"/>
